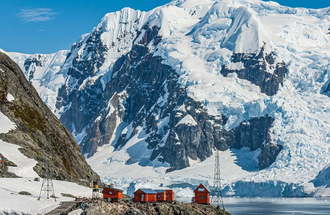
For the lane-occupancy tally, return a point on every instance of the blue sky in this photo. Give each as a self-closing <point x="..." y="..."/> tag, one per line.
<point x="47" y="26"/>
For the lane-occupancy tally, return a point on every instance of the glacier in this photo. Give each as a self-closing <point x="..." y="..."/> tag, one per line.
<point x="198" y="39"/>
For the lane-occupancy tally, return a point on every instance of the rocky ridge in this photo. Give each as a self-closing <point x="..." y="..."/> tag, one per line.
<point x="40" y="134"/>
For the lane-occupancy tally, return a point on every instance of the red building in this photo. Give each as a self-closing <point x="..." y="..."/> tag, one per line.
<point x="112" y="194"/>
<point x="202" y="195"/>
<point x="165" y="195"/>
<point x="145" y="195"/>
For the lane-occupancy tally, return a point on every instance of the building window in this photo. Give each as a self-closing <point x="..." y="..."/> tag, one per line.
<point x="158" y="196"/>
<point x="201" y="189"/>
<point x="202" y="197"/>
<point x="110" y="192"/>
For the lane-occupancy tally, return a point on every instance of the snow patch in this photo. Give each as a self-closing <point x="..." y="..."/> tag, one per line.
<point x="187" y="120"/>
<point x="10" y="97"/>
<point x="24" y="164"/>
<point x="5" y="124"/>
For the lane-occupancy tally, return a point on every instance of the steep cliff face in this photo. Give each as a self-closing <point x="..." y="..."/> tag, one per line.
<point x="39" y="133"/>
<point x="88" y="66"/>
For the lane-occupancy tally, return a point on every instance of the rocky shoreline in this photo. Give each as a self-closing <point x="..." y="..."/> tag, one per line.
<point x="128" y="207"/>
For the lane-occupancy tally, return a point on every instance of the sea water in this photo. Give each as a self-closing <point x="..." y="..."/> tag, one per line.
<point x="275" y="206"/>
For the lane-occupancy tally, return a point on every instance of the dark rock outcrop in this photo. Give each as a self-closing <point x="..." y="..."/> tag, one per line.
<point x="328" y="88"/>
<point x="40" y="134"/>
<point x="30" y="66"/>
<point x="4" y="168"/>
<point x="268" y="154"/>
<point x="256" y="66"/>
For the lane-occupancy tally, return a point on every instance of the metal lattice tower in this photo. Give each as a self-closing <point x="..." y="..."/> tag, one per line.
<point x="216" y="191"/>
<point x="47" y="188"/>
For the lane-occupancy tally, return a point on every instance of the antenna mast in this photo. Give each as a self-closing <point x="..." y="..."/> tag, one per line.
<point x="47" y="187"/>
<point x="216" y="192"/>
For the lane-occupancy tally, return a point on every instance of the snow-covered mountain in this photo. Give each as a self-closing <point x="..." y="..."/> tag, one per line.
<point x="147" y="95"/>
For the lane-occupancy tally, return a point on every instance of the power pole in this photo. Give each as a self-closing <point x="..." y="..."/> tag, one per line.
<point x="47" y="187"/>
<point x="216" y="191"/>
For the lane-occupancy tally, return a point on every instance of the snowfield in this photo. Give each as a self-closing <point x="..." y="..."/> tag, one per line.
<point x="14" y="203"/>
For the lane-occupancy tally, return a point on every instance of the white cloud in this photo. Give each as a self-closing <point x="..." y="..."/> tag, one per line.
<point x="36" y="14"/>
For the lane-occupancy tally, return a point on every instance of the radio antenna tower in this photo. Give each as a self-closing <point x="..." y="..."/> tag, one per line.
<point x="216" y="192"/>
<point x="47" y="188"/>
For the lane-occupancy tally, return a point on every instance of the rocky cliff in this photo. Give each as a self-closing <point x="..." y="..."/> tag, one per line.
<point x="39" y="133"/>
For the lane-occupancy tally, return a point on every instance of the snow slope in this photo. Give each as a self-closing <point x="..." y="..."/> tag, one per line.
<point x="13" y="203"/>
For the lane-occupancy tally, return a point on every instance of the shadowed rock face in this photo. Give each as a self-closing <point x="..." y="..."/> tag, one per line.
<point x="80" y="104"/>
<point x="30" y="66"/>
<point x="38" y="131"/>
<point x="145" y="95"/>
<point x="328" y="88"/>
<point x="4" y="168"/>
<point x="255" y="70"/>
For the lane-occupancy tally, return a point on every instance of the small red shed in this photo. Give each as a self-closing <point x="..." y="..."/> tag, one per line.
<point x="145" y="195"/>
<point x="202" y="195"/>
<point x="165" y="195"/>
<point x="112" y="194"/>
